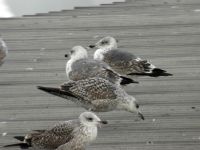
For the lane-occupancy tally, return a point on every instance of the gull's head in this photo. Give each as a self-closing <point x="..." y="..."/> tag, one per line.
<point x="106" y="43"/>
<point x="132" y="106"/>
<point x="78" y="52"/>
<point x="2" y="45"/>
<point x="91" y="120"/>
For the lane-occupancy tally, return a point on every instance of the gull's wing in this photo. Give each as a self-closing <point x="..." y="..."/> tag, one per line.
<point x="127" y="63"/>
<point x="91" y="89"/>
<point x="88" y="68"/>
<point x="58" y="135"/>
<point x="83" y="69"/>
<point x="90" y="93"/>
<point x="48" y="139"/>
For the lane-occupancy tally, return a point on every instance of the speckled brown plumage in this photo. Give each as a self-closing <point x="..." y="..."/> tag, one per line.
<point x="95" y="94"/>
<point x="94" y="91"/>
<point x="68" y="135"/>
<point x="87" y="68"/>
<point x="125" y="62"/>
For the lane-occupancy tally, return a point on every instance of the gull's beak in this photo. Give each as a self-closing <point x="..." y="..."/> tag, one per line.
<point x="66" y="55"/>
<point x="92" y="46"/>
<point x="102" y="122"/>
<point x="137" y="105"/>
<point x="140" y="115"/>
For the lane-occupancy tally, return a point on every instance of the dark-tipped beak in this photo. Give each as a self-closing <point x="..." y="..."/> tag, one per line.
<point x="66" y="55"/>
<point x="140" y="115"/>
<point x="104" y="122"/>
<point x="100" y="123"/>
<point x="137" y="105"/>
<point x="92" y="46"/>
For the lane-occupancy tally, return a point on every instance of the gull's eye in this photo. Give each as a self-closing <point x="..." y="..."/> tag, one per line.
<point x="89" y="118"/>
<point x="104" y="42"/>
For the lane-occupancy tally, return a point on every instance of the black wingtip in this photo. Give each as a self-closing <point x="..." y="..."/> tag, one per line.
<point x="20" y="138"/>
<point x="56" y="91"/>
<point x="159" y="72"/>
<point x="156" y="72"/>
<point x="40" y="87"/>
<point x="21" y="145"/>
<point x="126" y="81"/>
<point x="39" y="131"/>
<point x="51" y="90"/>
<point x="48" y="89"/>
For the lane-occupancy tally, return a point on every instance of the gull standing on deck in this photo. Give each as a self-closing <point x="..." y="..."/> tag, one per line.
<point x="96" y="94"/>
<point x="3" y="51"/>
<point x="81" y="67"/>
<point x="69" y="135"/>
<point x="124" y="62"/>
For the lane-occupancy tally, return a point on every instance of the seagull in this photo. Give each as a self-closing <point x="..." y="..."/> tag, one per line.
<point x="124" y="62"/>
<point x="81" y="67"/>
<point x="3" y="51"/>
<point x="96" y="94"/>
<point x="68" y="135"/>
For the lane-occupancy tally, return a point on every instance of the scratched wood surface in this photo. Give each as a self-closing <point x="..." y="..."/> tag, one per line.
<point x="167" y="32"/>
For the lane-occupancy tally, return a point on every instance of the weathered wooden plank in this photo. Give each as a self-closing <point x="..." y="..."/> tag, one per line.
<point x="105" y="21"/>
<point x="166" y="32"/>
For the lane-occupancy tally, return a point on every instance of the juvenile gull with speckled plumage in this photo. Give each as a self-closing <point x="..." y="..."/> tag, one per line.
<point x="124" y="62"/>
<point x="81" y="67"/>
<point x="69" y="135"/>
<point x="3" y="51"/>
<point x="96" y="94"/>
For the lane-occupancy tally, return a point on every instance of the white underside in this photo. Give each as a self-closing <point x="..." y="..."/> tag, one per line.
<point x="98" y="55"/>
<point x="92" y="132"/>
<point x="68" y="68"/>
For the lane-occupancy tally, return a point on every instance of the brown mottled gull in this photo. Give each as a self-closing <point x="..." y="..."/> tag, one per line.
<point x="81" y="67"/>
<point x="124" y="62"/>
<point x="69" y="135"/>
<point x="3" y="51"/>
<point x="96" y="94"/>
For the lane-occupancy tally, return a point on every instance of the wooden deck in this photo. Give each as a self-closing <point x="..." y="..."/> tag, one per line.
<point x="167" y="32"/>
